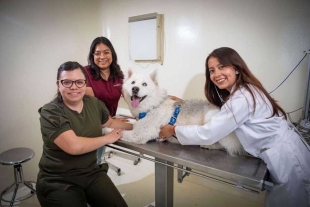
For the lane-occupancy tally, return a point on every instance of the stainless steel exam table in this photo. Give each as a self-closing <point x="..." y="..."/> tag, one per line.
<point x="244" y="172"/>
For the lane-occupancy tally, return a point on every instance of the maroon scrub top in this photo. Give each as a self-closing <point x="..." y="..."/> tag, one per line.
<point x="108" y="92"/>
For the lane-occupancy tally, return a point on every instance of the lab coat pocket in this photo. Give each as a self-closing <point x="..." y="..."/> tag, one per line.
<point x="276" y="165"/>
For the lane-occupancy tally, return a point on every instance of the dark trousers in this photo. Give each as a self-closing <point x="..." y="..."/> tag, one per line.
<point x="96" y="189"/>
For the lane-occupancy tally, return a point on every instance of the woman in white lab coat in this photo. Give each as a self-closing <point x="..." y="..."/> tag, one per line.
<point x="259" y="123"/>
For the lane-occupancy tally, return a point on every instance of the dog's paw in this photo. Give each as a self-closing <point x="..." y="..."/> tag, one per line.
<point x="173" y="140"/>
<point x="214" y="146"/>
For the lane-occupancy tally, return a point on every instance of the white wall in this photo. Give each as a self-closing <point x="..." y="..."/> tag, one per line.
<point x="37" y="36"/>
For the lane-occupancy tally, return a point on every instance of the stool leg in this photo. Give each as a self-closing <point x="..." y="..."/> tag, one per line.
<point x="14" y="195"/>
<point x="16" y="174"/>
<point x="28" y="184"/>
<point x="5" y="191"/>
<point x="20" y="173"/>
<point x="21" y="176"/>
<point x="16" y="170"/>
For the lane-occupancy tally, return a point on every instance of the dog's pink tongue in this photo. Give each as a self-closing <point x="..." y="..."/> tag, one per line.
<point x="135" y="102"/>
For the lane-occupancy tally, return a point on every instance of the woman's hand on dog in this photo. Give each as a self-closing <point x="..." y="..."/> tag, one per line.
<point x="166" y="132"/>
<point x="120" y="118"/>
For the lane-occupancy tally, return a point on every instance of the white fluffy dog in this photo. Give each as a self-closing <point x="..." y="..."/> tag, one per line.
<point x="143" y="95"/>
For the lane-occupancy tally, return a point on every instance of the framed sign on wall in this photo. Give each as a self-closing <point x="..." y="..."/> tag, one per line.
<point x="146" y="37"/>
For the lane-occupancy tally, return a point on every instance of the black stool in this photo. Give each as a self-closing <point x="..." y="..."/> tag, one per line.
<point x="16" y="157"/>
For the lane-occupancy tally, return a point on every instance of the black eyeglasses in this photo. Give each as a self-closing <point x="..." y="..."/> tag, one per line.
<point x="68" y="83"/>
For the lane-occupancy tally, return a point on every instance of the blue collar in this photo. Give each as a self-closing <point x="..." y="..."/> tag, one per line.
<point x="174" y="116"/>
<point x="142" y="115"/>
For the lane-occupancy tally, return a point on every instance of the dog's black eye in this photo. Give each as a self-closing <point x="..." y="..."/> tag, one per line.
<point x="133" y="82"/>
<point x="144" y="84"/>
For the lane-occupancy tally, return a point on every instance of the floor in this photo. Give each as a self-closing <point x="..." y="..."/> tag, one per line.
<point x="137" y="185"/>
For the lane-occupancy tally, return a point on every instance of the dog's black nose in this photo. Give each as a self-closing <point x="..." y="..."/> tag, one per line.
<point x="135" y="90"/>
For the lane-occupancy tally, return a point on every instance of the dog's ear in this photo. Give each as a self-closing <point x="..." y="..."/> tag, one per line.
<point x="129" y="73"/>
<point x="153" y="76"/>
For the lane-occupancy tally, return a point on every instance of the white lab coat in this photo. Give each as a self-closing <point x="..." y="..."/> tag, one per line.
<point x="287" y="155"/>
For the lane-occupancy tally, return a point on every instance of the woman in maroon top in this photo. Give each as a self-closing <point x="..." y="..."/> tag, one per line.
<point x="105" y="78"/>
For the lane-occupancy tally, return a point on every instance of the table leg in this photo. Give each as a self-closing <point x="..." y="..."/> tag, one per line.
<point x="163" y="184"/>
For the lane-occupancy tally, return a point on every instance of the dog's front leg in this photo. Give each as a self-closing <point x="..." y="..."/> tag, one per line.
<point x="128" y="136"/>
<point x="135" y="136"/>
<point x="144" y="130"/>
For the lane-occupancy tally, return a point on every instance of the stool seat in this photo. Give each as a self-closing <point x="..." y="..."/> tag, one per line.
<point x="16" y="156"/>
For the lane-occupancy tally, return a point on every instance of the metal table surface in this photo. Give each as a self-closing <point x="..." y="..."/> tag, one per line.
<point x="244" y="172"/>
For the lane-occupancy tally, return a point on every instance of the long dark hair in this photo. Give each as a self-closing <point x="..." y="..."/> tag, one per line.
<point x="67" y="66"/>
<point x="229" y="57"/>
<point x="115" y="69"/>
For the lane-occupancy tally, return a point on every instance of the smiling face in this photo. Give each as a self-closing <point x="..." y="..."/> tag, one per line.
<point x="138" y="87"/>
<point x="102" y="56"/>
<point x="72" y="95"/>
<point x="224" y="77"/>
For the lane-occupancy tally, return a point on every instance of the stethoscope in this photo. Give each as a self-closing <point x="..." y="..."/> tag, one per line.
<point x="220" y="96"/>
